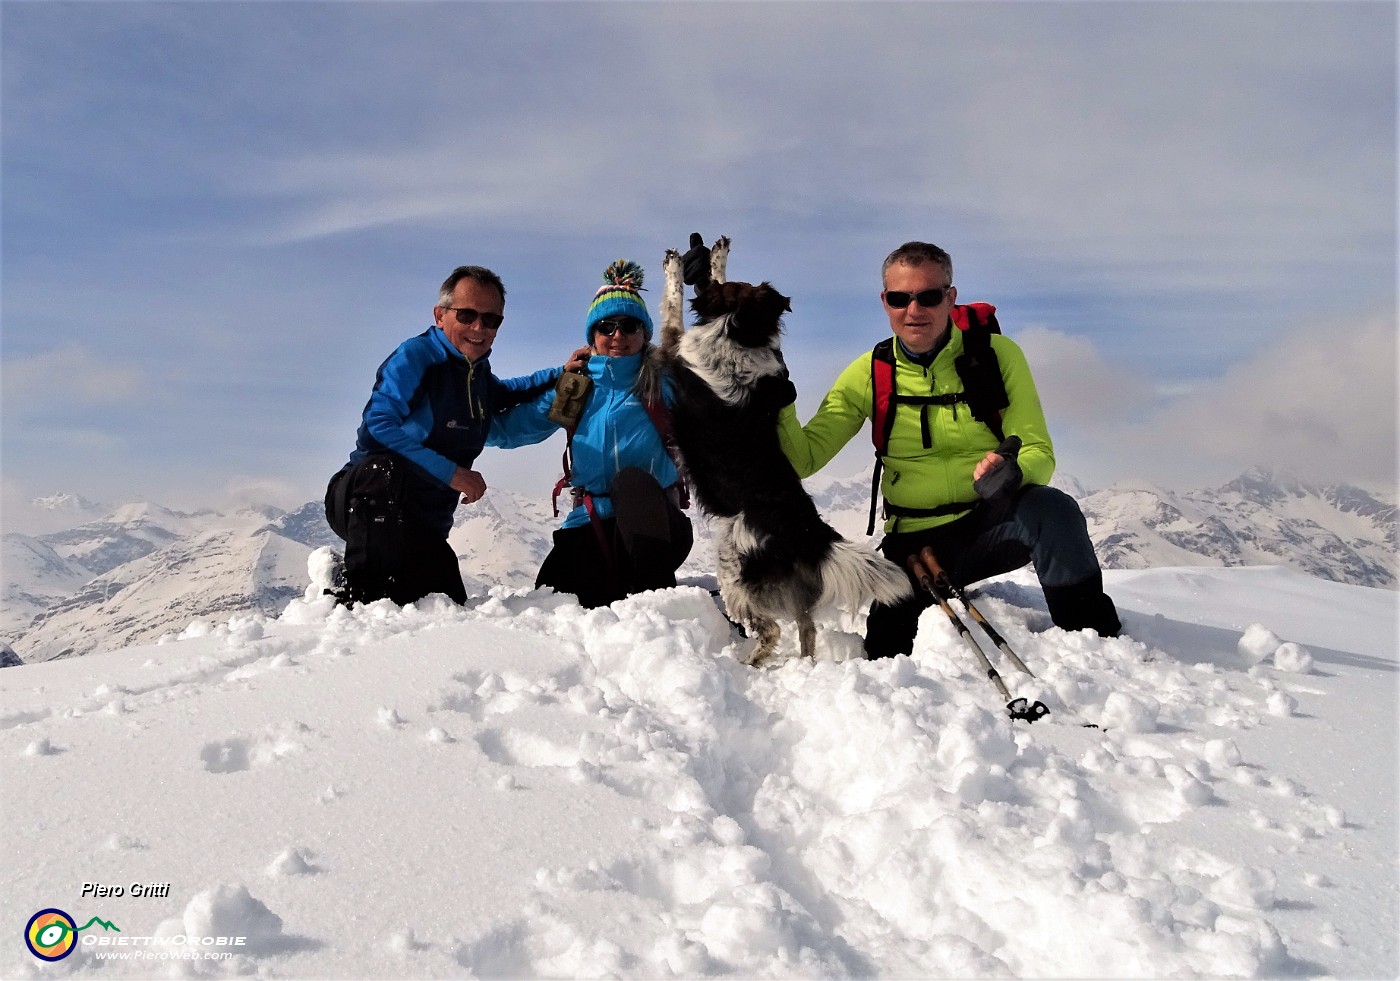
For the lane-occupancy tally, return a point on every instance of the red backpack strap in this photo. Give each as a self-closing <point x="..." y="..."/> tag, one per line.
<point x="882" y="392"/>
<point x="567" y="464"/>
<point x="660" y="417"/>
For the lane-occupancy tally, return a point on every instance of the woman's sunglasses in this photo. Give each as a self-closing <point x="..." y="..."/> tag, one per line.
<point x="628" y="326"/>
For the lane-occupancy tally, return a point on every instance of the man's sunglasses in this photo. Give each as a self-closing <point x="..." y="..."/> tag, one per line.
<point x="628" y="326"/>
<point x="466" y="316"/>
<point x="899" y="299"/>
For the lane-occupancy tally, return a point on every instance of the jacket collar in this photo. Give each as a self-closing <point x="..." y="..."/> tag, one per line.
<point x="619" y="371"/>
<point x="928" y="357"/>
<point x="440" y="336"/>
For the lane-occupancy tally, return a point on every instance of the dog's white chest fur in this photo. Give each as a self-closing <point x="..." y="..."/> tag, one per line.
<point x="729" y="369"/>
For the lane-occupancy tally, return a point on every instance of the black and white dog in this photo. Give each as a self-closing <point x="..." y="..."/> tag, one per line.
<point x="776" y="557"/>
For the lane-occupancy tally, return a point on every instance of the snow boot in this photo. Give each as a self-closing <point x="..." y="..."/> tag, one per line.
<point x="1082" y="605"/>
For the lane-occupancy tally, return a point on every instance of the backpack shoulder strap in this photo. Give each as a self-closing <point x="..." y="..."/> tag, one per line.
<point x="882" y="391"/>
<point x="978" y="366"/>
<point x="567" y="464"/>
<point x="660" y="417"/>
<point x="882" y="395"/>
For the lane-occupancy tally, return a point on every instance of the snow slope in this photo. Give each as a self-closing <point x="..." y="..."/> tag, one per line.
<point x="36" y="578"/>
<point x="522" y="788"/>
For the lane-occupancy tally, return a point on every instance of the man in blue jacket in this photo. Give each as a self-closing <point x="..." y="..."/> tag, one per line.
<point x="422" y="429"/>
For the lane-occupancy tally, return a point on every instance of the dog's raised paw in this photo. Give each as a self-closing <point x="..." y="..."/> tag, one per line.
<point x="672" y="303"/>
<point x="719" y="259"/>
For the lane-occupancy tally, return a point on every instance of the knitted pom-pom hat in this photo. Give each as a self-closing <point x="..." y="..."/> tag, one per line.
<point x="619" y="296"/>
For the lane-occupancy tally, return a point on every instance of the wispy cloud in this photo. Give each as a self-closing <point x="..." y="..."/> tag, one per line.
<point x="67" y="378"/>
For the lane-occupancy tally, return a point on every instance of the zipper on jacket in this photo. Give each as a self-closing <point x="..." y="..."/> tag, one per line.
<point x="472" y="403"/>
<point x="925" y="428"/>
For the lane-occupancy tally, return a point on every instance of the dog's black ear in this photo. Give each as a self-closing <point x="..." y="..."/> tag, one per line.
<point x="709" y="302"/>
<point x="786" y="306"/>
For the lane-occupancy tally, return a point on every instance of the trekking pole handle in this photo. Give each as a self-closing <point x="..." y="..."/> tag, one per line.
<point x="1009" y="448"/>
<point x="930" y="562"/>
<point x="920" y="574"/>
<point x="940" y="575"/>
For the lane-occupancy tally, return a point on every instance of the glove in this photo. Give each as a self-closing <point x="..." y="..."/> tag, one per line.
<point x="775" y="391"/>
<point x="1005" y="478"/>
<point x="695" y="264"/>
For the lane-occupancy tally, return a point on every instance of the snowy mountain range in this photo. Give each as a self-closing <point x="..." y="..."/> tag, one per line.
<point x="113" y="578"/>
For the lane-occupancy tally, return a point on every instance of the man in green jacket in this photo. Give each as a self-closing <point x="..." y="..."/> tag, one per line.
<point x="937" y="451"/>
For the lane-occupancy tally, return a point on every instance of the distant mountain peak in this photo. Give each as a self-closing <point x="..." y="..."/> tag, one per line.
<point x="65" y="502"/>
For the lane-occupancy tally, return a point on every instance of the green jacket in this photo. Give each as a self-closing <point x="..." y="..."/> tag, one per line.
<point x="918" y="475"/>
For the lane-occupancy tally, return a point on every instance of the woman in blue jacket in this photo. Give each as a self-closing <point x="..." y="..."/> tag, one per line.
<point x="626" y="532"/>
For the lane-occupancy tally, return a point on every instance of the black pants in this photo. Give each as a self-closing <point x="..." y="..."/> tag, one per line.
<point x="647" y="539"/>
<point x="1040" y="525"/>
<point x="389" y="554"/>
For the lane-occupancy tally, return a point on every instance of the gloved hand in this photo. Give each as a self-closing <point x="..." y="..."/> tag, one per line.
<point x="775" y="391"/>
<point x="695" y="264"/>
<point x="1005" y="477"/>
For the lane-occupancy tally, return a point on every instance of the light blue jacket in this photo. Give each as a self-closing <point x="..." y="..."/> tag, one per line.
<point x="613" y="433"/>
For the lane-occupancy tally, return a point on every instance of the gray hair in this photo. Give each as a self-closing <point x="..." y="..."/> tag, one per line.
<point x="481" y="274"/>
<point x="916" y="254"/>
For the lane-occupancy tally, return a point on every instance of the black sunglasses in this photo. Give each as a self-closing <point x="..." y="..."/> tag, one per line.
<point x="466" y="316"/>
<point x="899" y="299"/>
<point x="628" y="325"/>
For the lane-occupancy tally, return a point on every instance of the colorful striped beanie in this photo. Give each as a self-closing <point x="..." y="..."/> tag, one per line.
<point x="619" y="296"/>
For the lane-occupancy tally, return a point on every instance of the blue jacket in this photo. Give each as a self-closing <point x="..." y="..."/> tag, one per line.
<point x="433" y="407"/>
<point x="613" y="433"/>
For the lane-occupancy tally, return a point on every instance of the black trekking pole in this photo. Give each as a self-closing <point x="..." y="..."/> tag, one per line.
<point x="1017" y="708"/>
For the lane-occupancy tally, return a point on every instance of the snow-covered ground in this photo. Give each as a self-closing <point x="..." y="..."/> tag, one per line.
<point x="525" y="789"/>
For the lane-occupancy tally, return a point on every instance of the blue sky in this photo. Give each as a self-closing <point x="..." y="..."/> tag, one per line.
<point x="218" y="218"/>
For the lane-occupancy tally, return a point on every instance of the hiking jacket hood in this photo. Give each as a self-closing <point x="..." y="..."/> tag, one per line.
<point x="613" y="432"/>
<point x="433" y="407"/>
<point x="924" y="472"/>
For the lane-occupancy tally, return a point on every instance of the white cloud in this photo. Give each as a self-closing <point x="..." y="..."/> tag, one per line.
<point x="1321" y="404"/>
<point x="247" y="491"/>
<point x="1077" y="385"/>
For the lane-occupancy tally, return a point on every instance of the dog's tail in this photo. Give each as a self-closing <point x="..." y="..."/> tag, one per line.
<point x="853" y="575"/>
